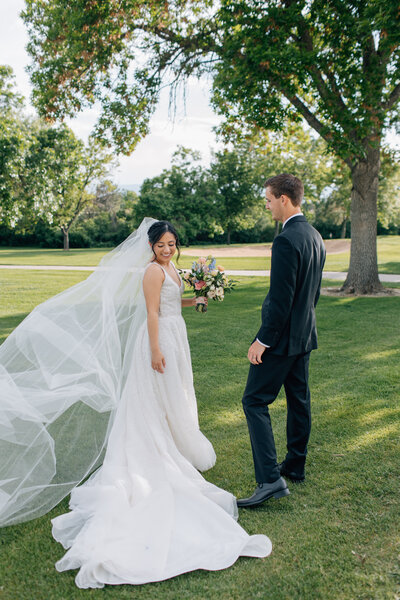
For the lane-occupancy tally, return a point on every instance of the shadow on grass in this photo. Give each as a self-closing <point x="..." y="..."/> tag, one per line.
<point x="9" y="323"/>
<point x="390" y="267"/>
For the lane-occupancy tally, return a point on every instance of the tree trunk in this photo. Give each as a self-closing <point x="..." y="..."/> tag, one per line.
<point x="362" y="277"/>
<point x="277" y="226"/>
<point x="66" y="238"/>
<point x="228" y="236"/>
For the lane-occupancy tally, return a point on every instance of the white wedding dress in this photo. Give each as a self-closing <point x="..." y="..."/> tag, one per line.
<point x="147" y="514"/>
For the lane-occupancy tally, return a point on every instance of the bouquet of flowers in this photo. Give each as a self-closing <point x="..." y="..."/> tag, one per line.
<point x="208" y="281"/>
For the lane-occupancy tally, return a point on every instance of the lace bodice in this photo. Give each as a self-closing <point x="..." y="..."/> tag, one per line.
<point x="171" y="295"/>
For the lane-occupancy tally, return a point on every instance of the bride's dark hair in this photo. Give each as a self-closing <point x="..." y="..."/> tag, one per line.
<point x="157" y="230"/>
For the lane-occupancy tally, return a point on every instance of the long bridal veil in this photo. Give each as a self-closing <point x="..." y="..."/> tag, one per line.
<point x="62" y="371"/>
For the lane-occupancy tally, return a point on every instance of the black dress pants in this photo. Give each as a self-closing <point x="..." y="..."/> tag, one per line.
<point x="263" y="385"/>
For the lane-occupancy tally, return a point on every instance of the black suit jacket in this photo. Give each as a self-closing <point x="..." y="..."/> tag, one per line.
<point x="288" y="312"/>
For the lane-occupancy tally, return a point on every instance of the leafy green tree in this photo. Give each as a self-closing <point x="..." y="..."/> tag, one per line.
<point x="46" y="173"/>
<point x="11" y="102"/>
<point x="333" y="63"/>
<point x="293" y="150"/>
<point x="109" y="219"/>
<point x="107" y="199"/>
<point x="238" y="199"/>
<point x="389" y="191"/>
<point x="14" y="141"/>
<point x="333" y="209"/>
<point x="184" y="195"/>
<point x="61" y="173"/>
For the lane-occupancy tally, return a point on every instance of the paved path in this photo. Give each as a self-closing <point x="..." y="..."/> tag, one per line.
<point x="340" y="276"/>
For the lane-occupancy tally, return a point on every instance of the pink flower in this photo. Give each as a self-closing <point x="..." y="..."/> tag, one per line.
<point x="199" y="285"/>
<point x="220" y="268"/>
<point x="202" y="260"/>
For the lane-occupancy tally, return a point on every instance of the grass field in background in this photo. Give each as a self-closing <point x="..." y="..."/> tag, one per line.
<point x="336" y="536"/>
<point x="77" y="257"/>
<point x="388" y="257"/>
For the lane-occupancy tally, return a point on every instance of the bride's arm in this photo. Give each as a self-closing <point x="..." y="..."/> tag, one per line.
<point x="193" y="301"/>
<point x="152" y="282"/>
<point x="189" y="301"/>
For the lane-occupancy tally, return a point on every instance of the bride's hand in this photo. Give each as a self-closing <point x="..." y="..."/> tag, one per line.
<point x="158" y="361"/>
<point x="200" y="300"/>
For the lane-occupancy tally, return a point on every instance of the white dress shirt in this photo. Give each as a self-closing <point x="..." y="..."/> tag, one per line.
<point x="292" y="217"/>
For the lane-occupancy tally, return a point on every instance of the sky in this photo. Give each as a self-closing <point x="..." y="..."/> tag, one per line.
<point x="192" y="125"/>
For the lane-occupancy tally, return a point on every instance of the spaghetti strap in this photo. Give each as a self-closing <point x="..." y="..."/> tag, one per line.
<point x="166" y="274"/>
<point x="158" y="265"/>
<point x="176" y="270"/>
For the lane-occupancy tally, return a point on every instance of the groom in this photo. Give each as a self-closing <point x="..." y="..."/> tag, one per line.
<point x="280" y="353"/>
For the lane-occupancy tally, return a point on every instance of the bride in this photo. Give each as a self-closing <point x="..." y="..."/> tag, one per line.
<point x="105" y="366"/>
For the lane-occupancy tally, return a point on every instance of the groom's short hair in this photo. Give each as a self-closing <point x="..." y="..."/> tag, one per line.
<point x="288" y="185"/>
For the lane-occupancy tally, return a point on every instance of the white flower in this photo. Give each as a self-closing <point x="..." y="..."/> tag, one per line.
<point x="211" y="294"/>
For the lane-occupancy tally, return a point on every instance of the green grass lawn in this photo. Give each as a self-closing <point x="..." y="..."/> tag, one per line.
<point x="336" y="536"/>
<point x="388" y="257"/>
<point x="88" y="257"/>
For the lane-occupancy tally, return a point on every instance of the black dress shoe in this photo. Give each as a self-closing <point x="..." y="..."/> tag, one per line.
<point x="264" y="491"/>
<point x="294" y="477"/>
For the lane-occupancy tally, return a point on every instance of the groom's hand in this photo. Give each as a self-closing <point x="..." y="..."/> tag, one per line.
<point x="255" y="353"/>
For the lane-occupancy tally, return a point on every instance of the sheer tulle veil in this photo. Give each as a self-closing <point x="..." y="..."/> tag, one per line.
<point x="62" y="371"/>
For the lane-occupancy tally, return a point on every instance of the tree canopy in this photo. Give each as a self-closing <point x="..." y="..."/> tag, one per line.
<point x="334" y="63"/>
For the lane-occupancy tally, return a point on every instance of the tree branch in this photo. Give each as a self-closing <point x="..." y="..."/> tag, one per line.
<point x="335" y="89"/>
<point x="368" y="51"/>
<point x="393" y="98"/>
<point x="331" y="95"/>
<point x="311" y="120"/>
<point x="202" y="41"/>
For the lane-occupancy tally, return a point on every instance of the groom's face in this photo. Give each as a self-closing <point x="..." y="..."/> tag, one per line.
<point x="274" y="204"/>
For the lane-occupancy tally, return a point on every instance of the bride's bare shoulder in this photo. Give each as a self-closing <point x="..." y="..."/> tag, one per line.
<point x="154" y="273"/>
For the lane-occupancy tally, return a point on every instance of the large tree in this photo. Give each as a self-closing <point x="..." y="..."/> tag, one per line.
<point x="334" y="63"/>
<point x="61" y="173"/>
